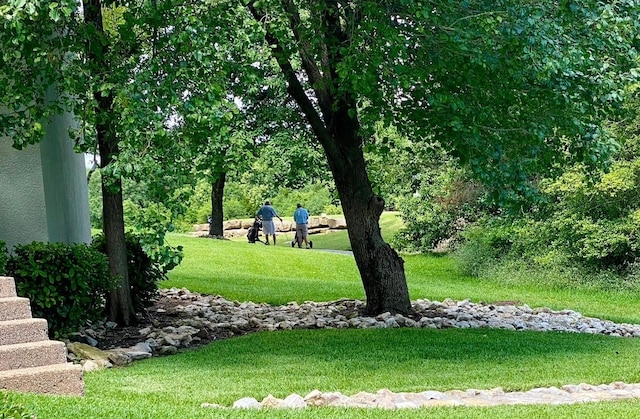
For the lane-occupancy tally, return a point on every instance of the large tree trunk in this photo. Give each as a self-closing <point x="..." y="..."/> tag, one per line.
<point x="217" y="195"/>
<point x="121" y="308"/>
<point x="380" y="267"/>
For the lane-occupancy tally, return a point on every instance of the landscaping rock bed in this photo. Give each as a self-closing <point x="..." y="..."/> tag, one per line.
<point x="183" y="319"/>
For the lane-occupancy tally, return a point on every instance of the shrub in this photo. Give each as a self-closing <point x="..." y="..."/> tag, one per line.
<point x="484" y="244"/>
<point x="438" y="212"/>
<point x="66" y="283"/>
<point x="10" y="409"/>
<point x="144" y="273"/>
<point x="3" y="257"/>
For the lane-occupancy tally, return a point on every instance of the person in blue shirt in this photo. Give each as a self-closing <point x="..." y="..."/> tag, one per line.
<point x="267" y="213"/>
<point x="301" y="217"/>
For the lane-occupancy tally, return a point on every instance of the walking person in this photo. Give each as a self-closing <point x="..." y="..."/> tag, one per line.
<point x="267" y="213"/>
<point x="301" y="217"/>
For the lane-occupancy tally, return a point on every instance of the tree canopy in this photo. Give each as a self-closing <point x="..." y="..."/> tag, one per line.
<point x="507" y="88"/>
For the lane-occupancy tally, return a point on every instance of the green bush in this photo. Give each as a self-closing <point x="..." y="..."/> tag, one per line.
<point x="484" y="244"/>
<point x="315" y="198"/>
<point x="9" y="409"/>
<point x="4" y="255"/>
<point x="144" y="273"/>
<point x="438" y="210"/>
<point x="66" y="283"/>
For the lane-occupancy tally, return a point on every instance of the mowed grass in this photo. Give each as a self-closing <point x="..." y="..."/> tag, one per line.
<point x="279" y="274"/>
<point x="350" y="361"/>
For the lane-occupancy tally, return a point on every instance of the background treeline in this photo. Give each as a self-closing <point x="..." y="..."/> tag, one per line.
<point x="583" y="225"/>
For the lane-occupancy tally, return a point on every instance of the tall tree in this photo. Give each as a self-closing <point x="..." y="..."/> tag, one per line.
<point x="508" y="87"/>
<point x="320" y="44"/>
<point x="106" y="62"/>
<point x="121" y="308"/>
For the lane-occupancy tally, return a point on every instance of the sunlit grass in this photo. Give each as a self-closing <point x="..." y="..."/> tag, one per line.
<point x="348" y="361"/>
<point x="351" y="361"/>
<point x="280" y="274"/>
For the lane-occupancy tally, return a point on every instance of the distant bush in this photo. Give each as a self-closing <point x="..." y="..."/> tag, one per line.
<point x="65" y="283"/>
<point x="588" y="221"/>
<point x="439" y="210"/>
<point x="315" y="198"/>
<point x="332" y="209"/>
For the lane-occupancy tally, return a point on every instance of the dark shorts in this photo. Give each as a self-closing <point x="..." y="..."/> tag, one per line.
<point x="302" y="231"/>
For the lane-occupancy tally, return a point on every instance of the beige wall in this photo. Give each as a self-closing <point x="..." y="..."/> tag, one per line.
<point x="43" y="189"/>
<point x="23" y="217"/>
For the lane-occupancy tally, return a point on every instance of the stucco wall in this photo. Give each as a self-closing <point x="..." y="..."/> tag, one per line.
<point x="65" y="185"/>
<point x="23" y="217"/>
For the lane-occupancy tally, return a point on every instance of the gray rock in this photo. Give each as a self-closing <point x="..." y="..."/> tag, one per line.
<point x="293" y="401"/>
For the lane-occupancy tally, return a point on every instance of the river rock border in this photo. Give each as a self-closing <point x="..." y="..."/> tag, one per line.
<point x="196" y="315"/>
<point x="387" y="399"/>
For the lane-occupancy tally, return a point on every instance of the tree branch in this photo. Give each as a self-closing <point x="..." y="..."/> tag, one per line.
<point x="294" y="87"/>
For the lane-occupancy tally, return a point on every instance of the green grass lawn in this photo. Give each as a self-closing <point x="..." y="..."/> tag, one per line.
<point x="350" y="361"/>
<point x="278" y="274"/>
<point x="281" y="363"/>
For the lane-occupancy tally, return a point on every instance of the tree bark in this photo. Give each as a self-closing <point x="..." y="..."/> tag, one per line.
<point x="121" y="308"/>
<point x="381" y="268"/>
<point x="217" y="195"/>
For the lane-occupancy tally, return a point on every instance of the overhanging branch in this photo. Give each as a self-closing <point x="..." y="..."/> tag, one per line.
<point x="294" y="87"/>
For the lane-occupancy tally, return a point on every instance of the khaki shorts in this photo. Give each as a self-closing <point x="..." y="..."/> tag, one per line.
<point x="269" y="227"/>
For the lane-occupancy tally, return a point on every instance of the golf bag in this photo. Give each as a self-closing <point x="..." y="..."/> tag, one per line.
<point x="254" y="231"/>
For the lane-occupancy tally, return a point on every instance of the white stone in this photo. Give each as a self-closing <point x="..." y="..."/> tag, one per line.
<point x="247" y="403"/>
<point x="294" y="401"/>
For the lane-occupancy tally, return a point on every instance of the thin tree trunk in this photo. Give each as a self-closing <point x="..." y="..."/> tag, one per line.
<point x="121" y="308"/>
<point x="217" y="195"/>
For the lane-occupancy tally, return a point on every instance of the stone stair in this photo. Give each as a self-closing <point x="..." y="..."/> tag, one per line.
<point x="29" y="361"/>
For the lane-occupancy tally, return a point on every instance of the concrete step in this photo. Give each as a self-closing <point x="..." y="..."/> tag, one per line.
<point x="64" y="379"/>
<point x="7" y="287"/>
<point x="23" y="331"/>
<point x="32" y="354"/>
<point x="14" y="308"/>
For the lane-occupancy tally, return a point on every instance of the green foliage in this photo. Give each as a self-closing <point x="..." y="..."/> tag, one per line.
<point x="590" y="220"/>
<point x="66" y="283"/>
<point x="242" y="200"/>
<point x="314" y="197"/>
<point x="9" y="409"/>
<point x="145" y="273"/>
<point x="552" y="61"/>
<point x="441" y="203"/>
<point x="150" y="220"/>
<point x="95" y="200"/>
<point x="4" y="256"/>
<point x="238" y="203"/>
<point x="485" y="244"/>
